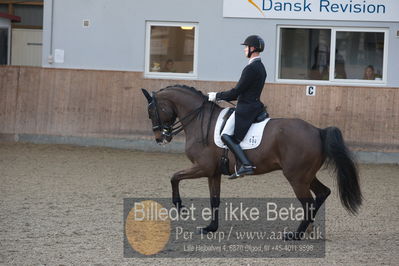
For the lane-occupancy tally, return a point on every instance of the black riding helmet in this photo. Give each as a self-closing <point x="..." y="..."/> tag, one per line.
<point x="256" y="42"/>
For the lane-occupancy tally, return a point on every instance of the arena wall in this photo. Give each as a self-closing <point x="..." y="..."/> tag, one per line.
<point x="109" y="105"/>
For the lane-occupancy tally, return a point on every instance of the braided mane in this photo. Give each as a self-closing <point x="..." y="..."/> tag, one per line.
<point x="187" y="88"/>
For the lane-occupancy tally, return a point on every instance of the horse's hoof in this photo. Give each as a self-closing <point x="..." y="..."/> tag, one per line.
<point x="290" y="236"/>
<point x="206" y="230"/>
<point x="184" y="212"/>
<point x="310" y="228"/>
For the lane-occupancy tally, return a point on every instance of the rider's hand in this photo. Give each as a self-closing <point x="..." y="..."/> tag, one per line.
<point x="212" y="96"/>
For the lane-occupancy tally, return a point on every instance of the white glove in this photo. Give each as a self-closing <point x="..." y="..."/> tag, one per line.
<point x="212" y="96"/>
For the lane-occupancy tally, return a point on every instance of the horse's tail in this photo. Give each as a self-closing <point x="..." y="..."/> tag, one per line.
<point x="340" y="159"/>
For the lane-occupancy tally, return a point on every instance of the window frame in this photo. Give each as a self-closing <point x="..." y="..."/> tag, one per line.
<point x="332" y="80"/>
<point x="165" y="75"/>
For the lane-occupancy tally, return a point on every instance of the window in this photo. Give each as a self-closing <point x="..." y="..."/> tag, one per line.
<point x="171" y="50"/>
<point x="3" y="46"/>
<point x="332" y="54"/>
<point x="358" y="53"/>
<point x="305" y="54"/>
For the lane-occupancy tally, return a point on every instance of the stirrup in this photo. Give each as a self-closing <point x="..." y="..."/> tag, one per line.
<point x="244" y="170"/>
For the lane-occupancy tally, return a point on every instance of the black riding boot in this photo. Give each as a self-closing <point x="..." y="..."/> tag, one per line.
<point x="246" y="167"/>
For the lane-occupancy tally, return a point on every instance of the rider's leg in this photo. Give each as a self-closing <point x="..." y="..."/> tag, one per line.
<point x="246" y="166"/>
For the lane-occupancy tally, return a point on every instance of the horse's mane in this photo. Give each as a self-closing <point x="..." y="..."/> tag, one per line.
<point x="198" y="112"/>
<point x="188" y="88"/>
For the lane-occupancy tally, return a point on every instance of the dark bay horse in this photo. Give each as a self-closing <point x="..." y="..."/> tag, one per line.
<point x="292" y="145"/>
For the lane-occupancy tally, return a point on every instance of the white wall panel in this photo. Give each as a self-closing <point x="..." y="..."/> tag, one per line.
<point x="26" y="47"/>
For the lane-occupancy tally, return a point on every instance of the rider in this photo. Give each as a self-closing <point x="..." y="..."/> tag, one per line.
<point x="247" y="92"/>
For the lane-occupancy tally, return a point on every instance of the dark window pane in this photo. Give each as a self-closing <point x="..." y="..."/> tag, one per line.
<point x="305" y="54"/>
<point x="3" y="46"/>
<point x="361" y="54"/>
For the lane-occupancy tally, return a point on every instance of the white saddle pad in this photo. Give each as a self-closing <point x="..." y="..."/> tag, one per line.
<point x="251" y="140"/>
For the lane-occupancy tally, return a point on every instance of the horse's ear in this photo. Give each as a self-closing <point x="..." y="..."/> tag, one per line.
<point x="147" y="95"/>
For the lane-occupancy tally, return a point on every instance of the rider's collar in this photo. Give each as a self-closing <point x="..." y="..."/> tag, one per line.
<point x="253" y="59"/>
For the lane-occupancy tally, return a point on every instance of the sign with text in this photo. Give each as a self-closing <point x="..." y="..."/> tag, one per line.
<point x="248" y="227"/>
<point x="310" y="90"/>
<point x="357" y="10"/>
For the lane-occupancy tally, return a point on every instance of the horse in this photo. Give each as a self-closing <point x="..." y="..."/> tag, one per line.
<point x="294" y="146"/>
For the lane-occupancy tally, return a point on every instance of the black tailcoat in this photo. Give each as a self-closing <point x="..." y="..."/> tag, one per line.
<point x="247" y="93"/>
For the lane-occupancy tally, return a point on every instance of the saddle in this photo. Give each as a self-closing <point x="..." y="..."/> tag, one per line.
<point x="262" y="116"/>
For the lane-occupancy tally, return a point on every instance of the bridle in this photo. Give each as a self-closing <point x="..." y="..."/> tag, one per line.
<point x="168" y="131"/>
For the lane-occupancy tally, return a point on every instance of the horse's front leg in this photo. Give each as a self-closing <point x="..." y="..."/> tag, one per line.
<point x="214" y="190"/>
<point x="190" y="173"/>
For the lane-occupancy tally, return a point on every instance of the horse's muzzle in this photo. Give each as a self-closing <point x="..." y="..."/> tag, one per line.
<point x="162" y="138"/>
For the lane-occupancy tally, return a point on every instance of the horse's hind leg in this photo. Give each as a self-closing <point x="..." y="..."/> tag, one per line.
<point x="321" y="192"/>
<point x="309" y="205"/>
<point x="302" y="192"/>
